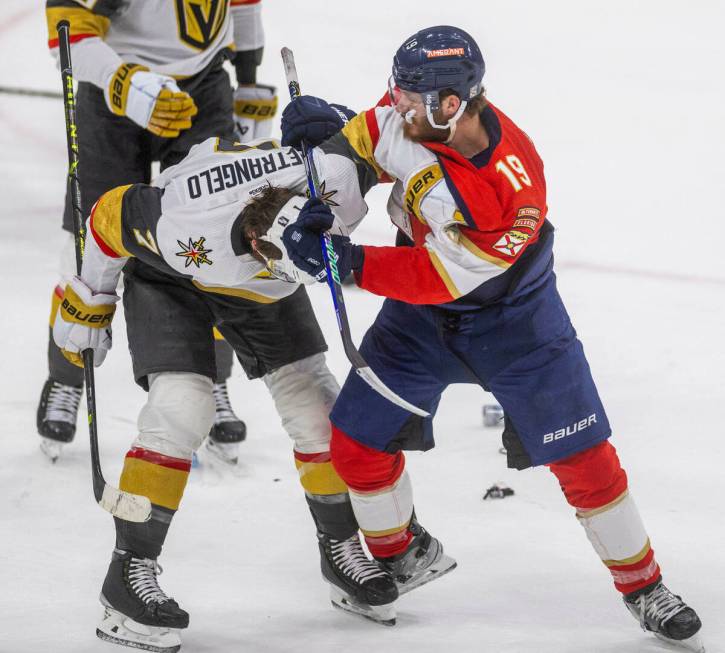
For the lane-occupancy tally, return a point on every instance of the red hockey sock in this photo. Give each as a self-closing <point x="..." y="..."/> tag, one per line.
<point x="379" y="490"/>
<point x="594" y="482"/>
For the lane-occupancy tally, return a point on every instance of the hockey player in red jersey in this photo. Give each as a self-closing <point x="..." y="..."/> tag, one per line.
<point x="151" y="85"/>
<point x="470" y="298"/>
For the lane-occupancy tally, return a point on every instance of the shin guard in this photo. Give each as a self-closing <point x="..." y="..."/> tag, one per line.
<point x="380" y="492"/>
<point x="596" y="485"/>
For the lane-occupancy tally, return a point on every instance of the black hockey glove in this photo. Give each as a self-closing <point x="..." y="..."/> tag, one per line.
<point x="302" y="242"/>
<point x="312" y="120"/>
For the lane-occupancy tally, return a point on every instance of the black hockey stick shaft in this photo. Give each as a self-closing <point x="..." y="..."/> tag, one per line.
<point x="333" y="277"/>
<point x="109" y="498"/>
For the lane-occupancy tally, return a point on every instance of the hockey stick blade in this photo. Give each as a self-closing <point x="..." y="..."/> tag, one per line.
<point x="124" y="505"/>
<point x="372" y="379"/>
<point x="333" y="279"/>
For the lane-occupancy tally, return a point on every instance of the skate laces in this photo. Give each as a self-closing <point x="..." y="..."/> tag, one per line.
<point x="222" y="405"/>
<point x="142" y="574"/>
<point x="350" y="558"/>
<point x="660" y="604"/>
<point x="63" y="403"/>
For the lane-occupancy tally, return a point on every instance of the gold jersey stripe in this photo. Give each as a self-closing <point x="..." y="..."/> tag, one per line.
<point x="162" y="485"/>
<point x="320" y="478"/>
<point x="387" y="531"/>
<point x="443" y="274"/>
<point x="107" y="220"/>
<point x="82" y="21"/>
<point x="419" y="186"/>
<point x="358" y="135"/>
<point x="477" y="251"/>
<point x="586" y="514"/>
<point x="237" y="292"/>
<point x="217" y="334"/>
<point x="632" y="559"/>
<point x="55" y="303"/>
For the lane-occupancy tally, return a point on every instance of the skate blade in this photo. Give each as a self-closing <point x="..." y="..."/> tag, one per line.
<point x="693" y="643"/>
<point x="226" y="452"/>
<point x="51" y="448"/>
<point x="380" y="614"/>
<point x="117" y="628"/>
<point x="441" y="567"/>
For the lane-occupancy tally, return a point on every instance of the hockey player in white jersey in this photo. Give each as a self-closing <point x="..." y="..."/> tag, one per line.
<point x="151" y="85"/>
<point x="188" y="247"/>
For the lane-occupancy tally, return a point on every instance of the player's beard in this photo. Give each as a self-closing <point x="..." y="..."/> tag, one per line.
<point x="420" y="130"/>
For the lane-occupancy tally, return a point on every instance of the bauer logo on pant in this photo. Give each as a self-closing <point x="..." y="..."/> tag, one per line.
<point x="571" y="429"/>
<point x="194" y="252"/>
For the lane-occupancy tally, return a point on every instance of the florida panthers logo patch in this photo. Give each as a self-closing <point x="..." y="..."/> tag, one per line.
<point x="511" y="243"/>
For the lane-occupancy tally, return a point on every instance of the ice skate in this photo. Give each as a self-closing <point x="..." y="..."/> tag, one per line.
<point x="357" y="584"/>
<point x="137" y="611"/>
<point x="667" y="616"/>
<point x="228" y="430"/>
<point x="56" y="416"/>
<point x="422" y="562"/>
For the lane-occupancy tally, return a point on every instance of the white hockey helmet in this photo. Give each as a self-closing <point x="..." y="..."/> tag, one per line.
<point x="279" y="264"/>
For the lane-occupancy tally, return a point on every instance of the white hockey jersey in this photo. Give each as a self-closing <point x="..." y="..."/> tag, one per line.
<point x="173" y="37"/>
<point x="188" y="223"/>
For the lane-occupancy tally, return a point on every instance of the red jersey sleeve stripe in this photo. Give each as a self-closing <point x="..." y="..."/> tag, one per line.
<point x="53" y="43"/>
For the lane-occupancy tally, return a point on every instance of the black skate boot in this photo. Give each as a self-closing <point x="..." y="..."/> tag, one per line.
<point x="228" y="430"/>
<point x="137" y="611"/>
<point x="56" y="416"/>
<point x="357" y="584"/>
<point x="422" y="562"/>
<point x="666" y="615"/>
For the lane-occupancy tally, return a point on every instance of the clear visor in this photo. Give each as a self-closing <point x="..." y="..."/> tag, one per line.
<point x="404" y="101"/>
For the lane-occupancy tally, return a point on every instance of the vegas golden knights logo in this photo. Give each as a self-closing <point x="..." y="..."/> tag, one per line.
<point x="200" y="21"/>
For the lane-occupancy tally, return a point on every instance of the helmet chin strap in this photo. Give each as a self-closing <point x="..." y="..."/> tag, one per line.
<point x="451" y="124"/>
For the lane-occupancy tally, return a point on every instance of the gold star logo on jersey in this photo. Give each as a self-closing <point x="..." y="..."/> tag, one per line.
<point x="194" y="252"/>
<point x="200" y="21"/>
<point x="324" y="194"/>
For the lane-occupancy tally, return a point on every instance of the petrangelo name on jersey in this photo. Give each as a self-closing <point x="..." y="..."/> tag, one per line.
<point x="229" y="175"/>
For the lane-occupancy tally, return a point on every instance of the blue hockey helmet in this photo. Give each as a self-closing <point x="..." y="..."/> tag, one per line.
<point x="439" y="58"/>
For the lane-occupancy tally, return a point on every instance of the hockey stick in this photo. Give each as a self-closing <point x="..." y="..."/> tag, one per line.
<point x="30" y="92"/>
<point x="333" y="277"/>
<point x="131" y="507"/>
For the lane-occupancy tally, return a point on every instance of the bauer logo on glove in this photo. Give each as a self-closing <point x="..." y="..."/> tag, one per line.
<point x="254" y="108"/>
<point x="152" y="101"/>
<point x="84" y="322"/>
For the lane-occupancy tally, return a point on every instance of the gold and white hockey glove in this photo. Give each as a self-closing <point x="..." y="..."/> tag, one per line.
<point x="254" y="108"/>
<point x="84" y="322"/>
<point x="152" y="101"/>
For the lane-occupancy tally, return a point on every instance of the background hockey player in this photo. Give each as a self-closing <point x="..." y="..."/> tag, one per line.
<point x="471" y="299"/>
<point x="151" y="86"/>
<point x="194" y="269"/>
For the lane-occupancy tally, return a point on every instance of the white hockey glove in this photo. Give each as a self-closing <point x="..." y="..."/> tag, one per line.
<point x="84" y="322"/>
<point x="254" y="108"/>
<point x="152" y="101"/>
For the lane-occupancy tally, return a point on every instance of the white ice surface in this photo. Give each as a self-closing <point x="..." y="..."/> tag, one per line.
<point x="625" y="102"/>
